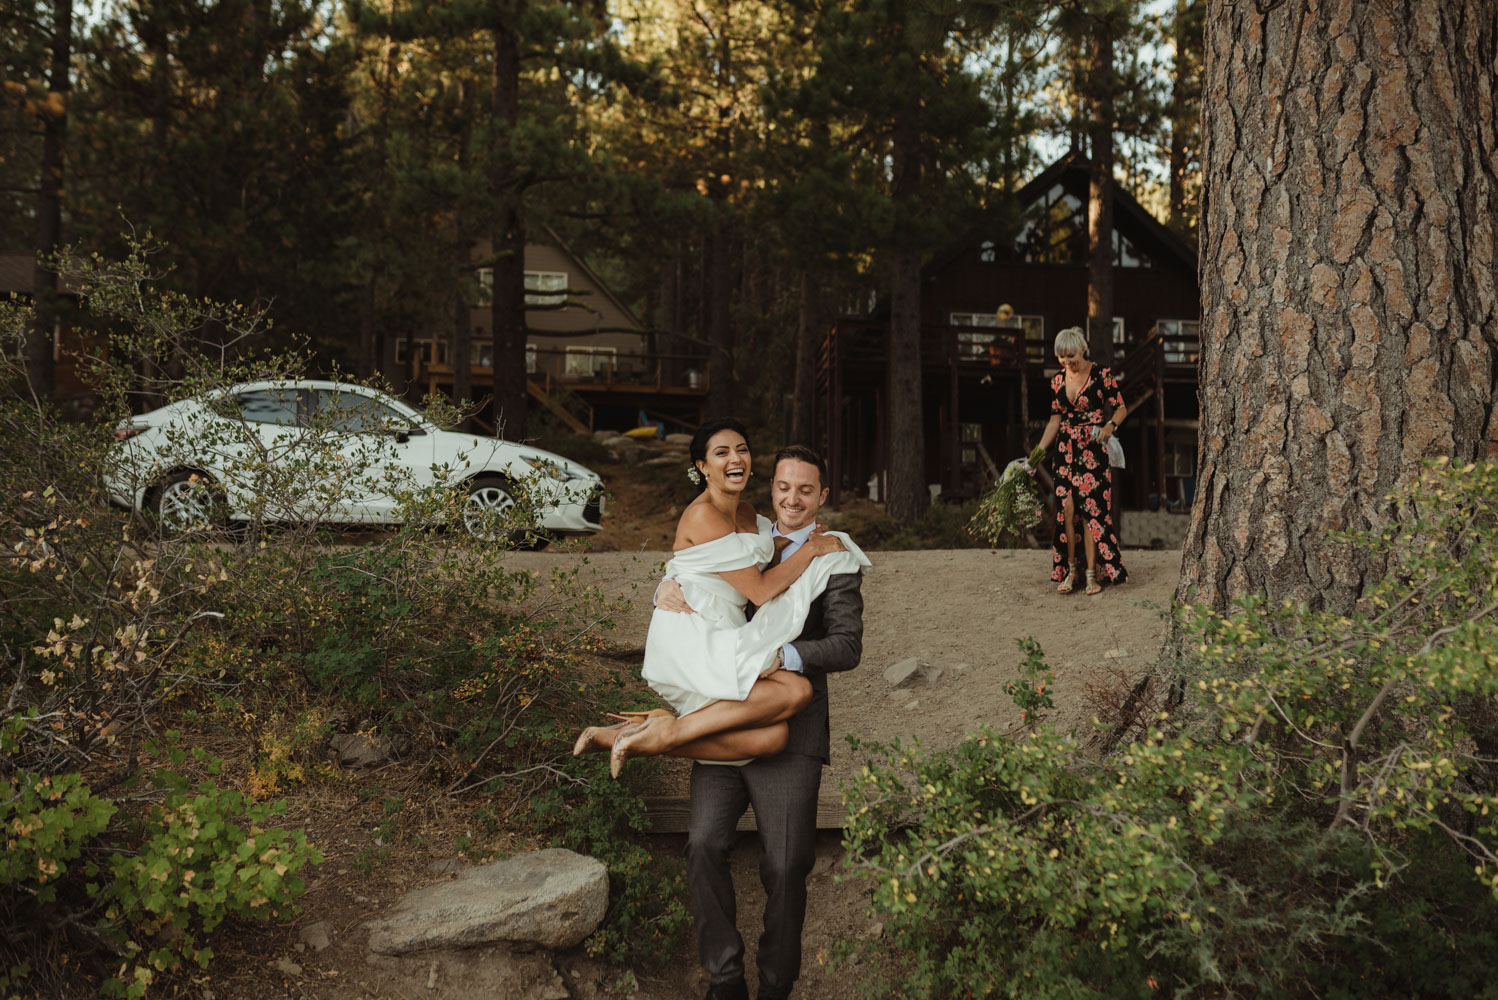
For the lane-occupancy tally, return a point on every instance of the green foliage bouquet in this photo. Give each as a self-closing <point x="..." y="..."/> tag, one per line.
<point x="1013" y="507"/>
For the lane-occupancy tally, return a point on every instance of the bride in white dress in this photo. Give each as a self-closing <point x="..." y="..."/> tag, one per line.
<point x="718" y="669"/>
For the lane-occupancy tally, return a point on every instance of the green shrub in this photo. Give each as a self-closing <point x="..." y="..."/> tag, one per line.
<point x="205" y="854"/>
<point x="1308" y="822"/>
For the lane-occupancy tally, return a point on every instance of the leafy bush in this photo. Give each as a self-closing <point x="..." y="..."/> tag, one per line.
<point x="1307" y="822"/>
<point x="205" y="854"/>
<point x="111" y="631"/>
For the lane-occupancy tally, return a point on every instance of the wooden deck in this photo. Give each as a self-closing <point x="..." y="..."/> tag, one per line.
<point x="573" y="384"/>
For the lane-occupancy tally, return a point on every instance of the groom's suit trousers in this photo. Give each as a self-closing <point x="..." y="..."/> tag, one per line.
<point x="783" y="790"/>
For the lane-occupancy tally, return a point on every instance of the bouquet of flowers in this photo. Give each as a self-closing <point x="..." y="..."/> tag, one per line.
<point x="1013" y="507"/>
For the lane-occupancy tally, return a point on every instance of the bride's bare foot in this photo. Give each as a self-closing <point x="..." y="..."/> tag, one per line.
<point x="647" y="739"/>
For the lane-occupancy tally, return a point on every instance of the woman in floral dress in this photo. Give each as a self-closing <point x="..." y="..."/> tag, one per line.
<point x="1086" y="408"/>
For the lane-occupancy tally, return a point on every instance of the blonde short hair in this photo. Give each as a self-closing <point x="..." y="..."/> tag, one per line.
<point x="1072" y="339"/>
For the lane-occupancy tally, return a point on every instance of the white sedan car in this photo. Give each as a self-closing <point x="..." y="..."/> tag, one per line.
<point x="333" y="452"/>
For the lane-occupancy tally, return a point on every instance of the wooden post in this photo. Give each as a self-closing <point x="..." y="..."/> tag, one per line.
<point x="1160" y="420"/>
<point x="954" y="431"/>
<point x="835" y="421"/>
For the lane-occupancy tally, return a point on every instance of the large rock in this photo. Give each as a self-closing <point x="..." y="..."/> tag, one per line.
<point x="548" y="899"/>
<point x="678" y="439"/>
<point x="364" y="750"/>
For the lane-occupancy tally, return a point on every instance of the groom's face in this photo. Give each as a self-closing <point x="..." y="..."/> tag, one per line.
<point x="796" y="493"/>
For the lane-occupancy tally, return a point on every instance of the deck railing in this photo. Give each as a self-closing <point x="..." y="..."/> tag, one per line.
<point x="593" y="369"/>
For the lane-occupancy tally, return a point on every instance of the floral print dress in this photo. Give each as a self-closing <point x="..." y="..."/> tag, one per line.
<point x="1082" y="473"/>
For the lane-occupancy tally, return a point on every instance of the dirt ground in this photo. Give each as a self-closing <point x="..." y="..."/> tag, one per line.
<point x="957" y="610"/>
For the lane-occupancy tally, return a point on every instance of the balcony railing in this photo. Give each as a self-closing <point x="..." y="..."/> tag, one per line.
<point x="587" y="369"/>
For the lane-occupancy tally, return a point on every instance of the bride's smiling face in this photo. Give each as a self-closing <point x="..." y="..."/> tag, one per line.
<point x="727" y="462"/>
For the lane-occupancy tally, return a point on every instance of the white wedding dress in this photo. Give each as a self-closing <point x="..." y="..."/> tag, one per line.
<point x="693" y="660"/>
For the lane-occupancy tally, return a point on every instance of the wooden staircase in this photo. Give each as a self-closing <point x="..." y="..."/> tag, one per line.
<point x="579" y="416"/>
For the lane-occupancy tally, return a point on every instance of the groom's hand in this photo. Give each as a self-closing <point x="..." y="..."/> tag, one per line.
<point x="668" y="597"/>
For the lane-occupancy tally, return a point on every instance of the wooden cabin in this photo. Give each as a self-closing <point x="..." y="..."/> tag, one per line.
<point x="17" y="275"/>
<point x="588" y="358"/>
<point x="992" y="305"/>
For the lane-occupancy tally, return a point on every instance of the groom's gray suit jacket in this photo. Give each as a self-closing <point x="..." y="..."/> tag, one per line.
<point x="830" y="641"/>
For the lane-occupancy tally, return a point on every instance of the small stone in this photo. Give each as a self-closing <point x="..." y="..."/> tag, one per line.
<point x="286" y="967"/>
<point x="678" y="439"/>
<point x="299" y="947"/>
<point x="902" y="673"/>
<point x="962" y="668"/>
<point x="913" y="705"/>
<point x="896" y="695"/>
<point x="445" y="866"/>
<point x="933" y="674"/>
<point x="432" y="976"/>
<point x="1116" y="654"/>
<point x="874" y="930"/>
<point x="361" y="899"/>
<point x="315" y="936"/>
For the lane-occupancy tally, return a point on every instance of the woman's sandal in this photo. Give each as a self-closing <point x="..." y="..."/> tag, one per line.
<point x="1066" y="585"/>
<point x="620" y="752"/>
<point x="588" y="740"/>
<point x="1093" y="587"/>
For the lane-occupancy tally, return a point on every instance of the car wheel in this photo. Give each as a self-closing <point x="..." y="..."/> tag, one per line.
<point x="188" y="501"/>
<point x="488" y="507"/>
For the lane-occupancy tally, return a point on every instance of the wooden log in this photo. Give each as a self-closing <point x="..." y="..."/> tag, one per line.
<point x="670" y="813"/>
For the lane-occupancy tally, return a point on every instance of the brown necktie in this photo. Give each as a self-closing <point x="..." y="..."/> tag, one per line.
<point x="781" y="542"/>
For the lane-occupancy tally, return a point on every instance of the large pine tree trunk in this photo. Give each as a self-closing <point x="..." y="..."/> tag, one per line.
<point x="720" y="334"/>
<point x="804" y="392"/>
<point x="908" y="496"/>
<point x="507" y="305"/>
<point x="1348" y="274"/>
<point x="49" y="199"/>
<point x="1100" y="198"/>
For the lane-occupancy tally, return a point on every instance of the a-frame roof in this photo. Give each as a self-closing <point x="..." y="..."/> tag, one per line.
<point x="1074" y="167"/>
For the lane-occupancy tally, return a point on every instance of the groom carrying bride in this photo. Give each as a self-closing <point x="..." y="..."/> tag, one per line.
<point x="782" y="788"/>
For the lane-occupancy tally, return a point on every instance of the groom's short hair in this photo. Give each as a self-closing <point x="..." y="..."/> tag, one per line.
<point x="801" y="453"/>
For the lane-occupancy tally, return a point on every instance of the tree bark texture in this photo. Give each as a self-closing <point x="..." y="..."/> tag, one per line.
<point x="1100" y="199"/>
<point x="49" y="199"/>
<point x="720" y="333"/>
<point x="908" y="496"/>
<point x="808" y="339"/>
<point x="507" y="304"/>
<point x="1348" y="276"/>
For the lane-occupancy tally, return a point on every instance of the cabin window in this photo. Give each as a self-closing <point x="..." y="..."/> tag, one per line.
<point x="987" y="252"/>
<point x="543" y="289"/>
<point x="589" y="361"/>
<point x="1181" y="339"/>
<point x="530" y="359"/>
<point x="1126" y="254"/>
<point x="1056" y="232"/>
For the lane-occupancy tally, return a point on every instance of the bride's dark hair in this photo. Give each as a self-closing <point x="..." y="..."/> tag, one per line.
<point x="697" y="451"/>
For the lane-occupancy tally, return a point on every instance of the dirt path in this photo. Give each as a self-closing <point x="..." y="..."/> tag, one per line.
<point x="959" y="610"/>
